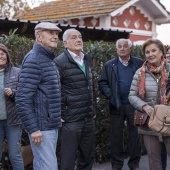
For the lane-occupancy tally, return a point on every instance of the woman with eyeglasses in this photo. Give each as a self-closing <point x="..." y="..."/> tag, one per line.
<point x="10" y="125"/>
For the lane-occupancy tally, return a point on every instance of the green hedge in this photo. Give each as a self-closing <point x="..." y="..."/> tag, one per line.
<point x="100" y="52"/>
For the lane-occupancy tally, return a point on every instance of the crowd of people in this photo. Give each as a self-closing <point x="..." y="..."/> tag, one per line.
<point x="52" y="99"/>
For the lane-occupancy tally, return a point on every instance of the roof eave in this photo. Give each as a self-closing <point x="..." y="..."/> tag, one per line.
<point x="161" y="20"/>
<point x="76" y="17"/>
<point x="162" y="10"/>
<point x="122" y="8"/>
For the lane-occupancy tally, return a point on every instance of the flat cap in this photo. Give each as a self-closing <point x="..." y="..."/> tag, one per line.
<point x="46" y="26"/>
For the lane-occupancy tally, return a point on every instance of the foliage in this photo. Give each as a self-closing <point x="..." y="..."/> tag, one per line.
<point x="18" y="46"/>
<point x="100" y="52"/>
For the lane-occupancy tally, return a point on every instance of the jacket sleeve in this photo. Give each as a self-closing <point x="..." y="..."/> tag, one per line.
<point x="168" y="85"/>
<point x="103" y="83"/>
<point x="14" y="88"/>
<point x="57" y="63"/>
<point x="134" y="98"/>
<point x="28" y="83"/>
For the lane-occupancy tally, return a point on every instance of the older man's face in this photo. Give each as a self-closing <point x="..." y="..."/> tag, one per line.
<point x="74" y="42"/>
<point x="123" y="50"/>
<point x="48" y="38"/>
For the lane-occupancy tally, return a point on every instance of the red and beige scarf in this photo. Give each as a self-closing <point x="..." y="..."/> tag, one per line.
<point x="155" y="70"/>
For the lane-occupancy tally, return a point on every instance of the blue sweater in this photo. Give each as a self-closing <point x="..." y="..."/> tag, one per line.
<point x="2" y="97"/>
<point x="125" y="74"/>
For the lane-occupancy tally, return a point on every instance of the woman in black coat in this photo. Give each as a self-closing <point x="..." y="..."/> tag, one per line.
<point x="10" y="125"/>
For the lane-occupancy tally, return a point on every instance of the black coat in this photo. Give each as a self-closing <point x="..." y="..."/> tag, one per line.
<point x="108" y="82"/>
<point x="76" y="88"/>
<point x="11" y="78"/>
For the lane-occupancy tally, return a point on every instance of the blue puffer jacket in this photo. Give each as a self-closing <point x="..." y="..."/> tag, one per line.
<point x="38" y="97"/>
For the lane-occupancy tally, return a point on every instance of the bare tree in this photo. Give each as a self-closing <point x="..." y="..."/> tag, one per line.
<point x="12" y="8"/>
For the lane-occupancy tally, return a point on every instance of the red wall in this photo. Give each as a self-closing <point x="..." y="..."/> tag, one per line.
<point x="87" y="22"/>
<point x="137" y="16"/>
<point x="134" y="38"/>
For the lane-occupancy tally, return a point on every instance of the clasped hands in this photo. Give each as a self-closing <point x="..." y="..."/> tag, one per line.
<point x="168" y="98"/>
<point x="148" y="109"/>
<point x="8" y="91"/>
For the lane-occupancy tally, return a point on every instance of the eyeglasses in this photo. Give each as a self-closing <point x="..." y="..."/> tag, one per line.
<point x="3" y="54"/>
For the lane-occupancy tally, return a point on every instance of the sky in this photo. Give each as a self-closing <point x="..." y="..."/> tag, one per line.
<point x="164" y="29"/>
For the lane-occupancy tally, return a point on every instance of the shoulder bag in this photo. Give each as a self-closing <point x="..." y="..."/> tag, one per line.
<point x="141" y="119"/>
<point x="160" y="119"/>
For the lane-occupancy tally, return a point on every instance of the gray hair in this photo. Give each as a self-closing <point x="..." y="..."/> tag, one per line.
<point x="65" y="35"/>
<point x="124" y="40"/>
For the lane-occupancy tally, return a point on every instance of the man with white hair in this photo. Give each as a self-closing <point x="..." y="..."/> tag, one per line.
<point x="115" y="84"/>
<point x="38" y="97"/>
<point x="78" y="128"/>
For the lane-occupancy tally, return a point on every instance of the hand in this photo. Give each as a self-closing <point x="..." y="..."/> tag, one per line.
<point x="148" y="109"/>
<point x="168" y="98"/>
<point x="36" y="137"/>
<point x="8" y="91"/>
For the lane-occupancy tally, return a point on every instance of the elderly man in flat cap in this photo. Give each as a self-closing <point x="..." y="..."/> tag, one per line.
<point x="38" y="97"/>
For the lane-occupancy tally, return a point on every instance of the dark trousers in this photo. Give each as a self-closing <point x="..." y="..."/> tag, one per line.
<point x="163" y="156"/>
<point x="78" y="144"/>
<point x="117" y="138"/>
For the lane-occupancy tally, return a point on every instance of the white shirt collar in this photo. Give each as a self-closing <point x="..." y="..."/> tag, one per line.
<point x="77" y="59"/>
<point x="124" y="63"/>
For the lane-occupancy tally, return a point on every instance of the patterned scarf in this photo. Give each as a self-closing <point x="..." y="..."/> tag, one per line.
<point x="155" y="70"/>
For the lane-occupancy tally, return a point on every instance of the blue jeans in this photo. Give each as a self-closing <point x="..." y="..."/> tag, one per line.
<point x="45" y="154"/>
<point x="13" y="136"/>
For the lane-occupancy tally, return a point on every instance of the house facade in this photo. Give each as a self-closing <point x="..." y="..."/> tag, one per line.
<point x="137" y="16"/>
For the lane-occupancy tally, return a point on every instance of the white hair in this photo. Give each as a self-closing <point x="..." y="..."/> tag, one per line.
<point x="124" y="40"/>
<point x="65" y="35"/>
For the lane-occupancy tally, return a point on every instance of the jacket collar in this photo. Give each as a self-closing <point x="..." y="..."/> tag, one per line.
<point x="86" y="57"/>
<point x="130" y="62"/>
<point x="44" y="50"/>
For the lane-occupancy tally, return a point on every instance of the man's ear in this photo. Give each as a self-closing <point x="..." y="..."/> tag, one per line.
<point x="38" y="37"/>
<point x="65" y="43"/>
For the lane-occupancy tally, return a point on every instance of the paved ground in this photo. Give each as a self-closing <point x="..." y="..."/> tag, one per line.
<point x="142" y="166"/>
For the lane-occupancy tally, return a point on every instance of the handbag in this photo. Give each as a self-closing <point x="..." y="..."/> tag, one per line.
<point x="160" y="119"/>
<point x="141" y="119"/>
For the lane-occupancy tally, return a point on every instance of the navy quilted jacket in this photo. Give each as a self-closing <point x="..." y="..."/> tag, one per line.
<point x="11" y="79"/>
<point x="108" y="82"/>
<point x="38" y="97"/>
